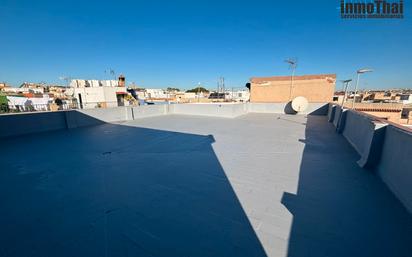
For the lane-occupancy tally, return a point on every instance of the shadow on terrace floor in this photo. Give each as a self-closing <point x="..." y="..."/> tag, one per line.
<point x="114" y="190"/>
<point x="341" y="209"/>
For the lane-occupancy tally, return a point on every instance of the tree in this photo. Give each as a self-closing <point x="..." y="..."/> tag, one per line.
<point x="172" y="89"/>
<point x="197" y="90"/>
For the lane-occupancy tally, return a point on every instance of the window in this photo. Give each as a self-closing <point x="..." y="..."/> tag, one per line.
<point x="405" y="113"/>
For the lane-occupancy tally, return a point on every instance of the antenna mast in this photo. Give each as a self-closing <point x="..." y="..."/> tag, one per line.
<point x="293" y="63"/>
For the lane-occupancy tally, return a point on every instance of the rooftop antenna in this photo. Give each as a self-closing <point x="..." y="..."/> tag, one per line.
<point x="221" y="85"/>
<point x="111" y="72"/>
<point x="67" y="79"/>
<point x="293" y="63"/>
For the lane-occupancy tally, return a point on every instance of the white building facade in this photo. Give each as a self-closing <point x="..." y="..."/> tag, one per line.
<point x="238" y="95"/>
<point x="406" y="98"/>
<point x="97" y="93"/>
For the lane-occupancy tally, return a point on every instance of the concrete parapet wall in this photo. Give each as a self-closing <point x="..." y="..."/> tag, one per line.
<point x="77" y="119"/>
<point x="145" y="111"/>
<point x="35" y="122"/>
<point x="384" y="147"/>
<point x="217" y="110"/>
<point x="336" y="117"/>
<point x="358" y="131"/>
<point x="240" y="109"/>
<point x="365" y="135"/>
<point x="89" y="117"/>
<point x="395" y="167"/>
<point x="116" y="114"/>
<point x="331" y="112"/>
<point x="229" y="110"/>
<point x="267" y="107"/>
<point x="27" y="123"/>
<point x="313" y="108"/>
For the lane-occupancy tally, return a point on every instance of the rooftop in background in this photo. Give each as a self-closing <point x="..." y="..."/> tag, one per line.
<point x="177" y="185"/>
<point x="332" y="78"/>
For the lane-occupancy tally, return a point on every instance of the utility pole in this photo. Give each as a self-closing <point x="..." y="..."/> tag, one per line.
<point x="198" y="92"/>
<point x="359" y="72"/>
<point x="346" y="84"/>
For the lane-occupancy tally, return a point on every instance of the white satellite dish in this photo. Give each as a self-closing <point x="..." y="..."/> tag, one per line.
<point x="299" y="104"/>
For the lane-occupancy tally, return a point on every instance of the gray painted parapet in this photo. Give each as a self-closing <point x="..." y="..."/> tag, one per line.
<point x="339" y="118"/>
<point x="366" y="136"/>
<point x="375" y="150"/>
<point x="331" y="112"/>
<point x="36" y="122"/>
<point x="395" y="167"/>
<point x="91" y="117"/>
<point x="76" y="119"/>
<point x="341" y="121"/>
<point x="336" y="117"/>
<point x="320" y="109"/>
<point x="26" y="123"/>
<point x="232" y="110"/>
<point x="313" y="108"/>
<point x="266" y="107"/>
<point x="224" y="110"/>
<point x="145" y="111"/>
<point x="384" y="147"/>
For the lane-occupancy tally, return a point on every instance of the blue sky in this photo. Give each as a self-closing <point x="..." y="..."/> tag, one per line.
<point x="181" y="43"/>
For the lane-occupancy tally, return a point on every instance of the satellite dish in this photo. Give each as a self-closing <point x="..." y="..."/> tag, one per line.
<point x="299" y="104"/>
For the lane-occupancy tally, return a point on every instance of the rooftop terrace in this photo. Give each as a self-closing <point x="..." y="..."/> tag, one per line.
<point x="180" y="185"/>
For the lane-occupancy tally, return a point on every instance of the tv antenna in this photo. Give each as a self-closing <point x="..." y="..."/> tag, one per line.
<point x="221" y="85"/>
<point x="111" y="72"/>
<point x="293" y="63"/>
<point x="66" y="78"/>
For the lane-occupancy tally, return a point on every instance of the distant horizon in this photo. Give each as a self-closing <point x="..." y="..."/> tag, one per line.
<point x="164" y="44"/>
<point x="338" y="87"/>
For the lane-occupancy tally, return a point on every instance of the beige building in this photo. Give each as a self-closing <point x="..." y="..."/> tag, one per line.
<point x="3" y="85"/>
<point x="315" y="88"/>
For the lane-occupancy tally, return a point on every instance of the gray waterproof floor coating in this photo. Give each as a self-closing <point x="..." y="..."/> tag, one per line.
<point x="257" y="185"/>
